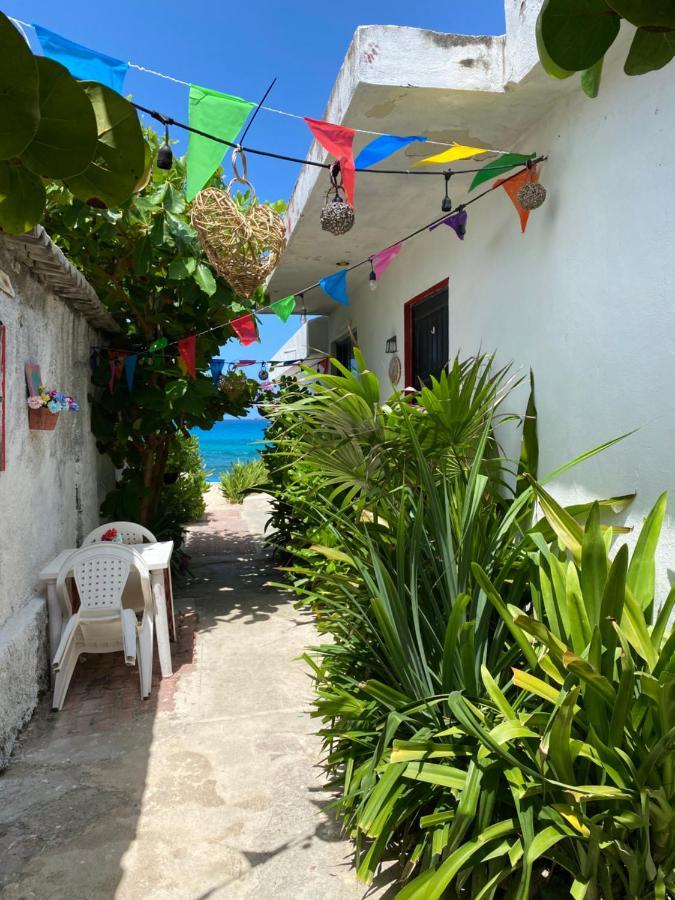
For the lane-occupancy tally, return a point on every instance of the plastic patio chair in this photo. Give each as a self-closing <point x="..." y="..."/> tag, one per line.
<point x="102" y="625"/>
<point x="131" y="532"/>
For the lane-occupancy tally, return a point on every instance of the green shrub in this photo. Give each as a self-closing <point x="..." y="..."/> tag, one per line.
<point x="415" y="548"/>
<point x="243" y="478"/>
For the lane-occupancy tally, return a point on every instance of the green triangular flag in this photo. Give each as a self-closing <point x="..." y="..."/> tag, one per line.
<point x="499" y="166"/>
<point x="219" y="114"/>
<point x="284" y="307"/>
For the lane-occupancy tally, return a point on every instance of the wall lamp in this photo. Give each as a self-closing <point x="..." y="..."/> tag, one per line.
<point x="391" y="345"/>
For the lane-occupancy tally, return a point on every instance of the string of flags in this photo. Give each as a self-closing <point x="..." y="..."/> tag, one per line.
<point x="334" y="285"/>
<point x="215" y="118"/>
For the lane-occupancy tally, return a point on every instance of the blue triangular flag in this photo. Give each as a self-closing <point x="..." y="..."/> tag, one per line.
<point x="82" y="63"/>
<point x="216" y="365"/>
<point x="382" y="147"/>
<point x="336" y="286"/>
<point x="130" y="368"/>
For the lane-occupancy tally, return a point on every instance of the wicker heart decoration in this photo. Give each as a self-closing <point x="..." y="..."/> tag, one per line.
<point x="243" y="245"/>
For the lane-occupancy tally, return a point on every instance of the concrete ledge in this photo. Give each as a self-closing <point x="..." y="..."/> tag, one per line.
<point x="23" y="670"/>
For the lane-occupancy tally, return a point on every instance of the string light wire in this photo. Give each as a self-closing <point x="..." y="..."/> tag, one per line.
<point x="317" y="284"/>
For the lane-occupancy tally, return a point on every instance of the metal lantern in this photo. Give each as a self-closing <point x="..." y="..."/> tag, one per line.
<point x="337" y="216"/>
<point x="531" y="195"/>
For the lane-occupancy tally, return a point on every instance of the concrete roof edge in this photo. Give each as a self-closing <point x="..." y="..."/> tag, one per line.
<point x="46" y="261"/>
<point x="505" y="60"/>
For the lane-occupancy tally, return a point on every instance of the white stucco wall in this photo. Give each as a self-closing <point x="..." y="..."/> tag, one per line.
<point x="52" y="486"/>
<point x="584" y="297"/>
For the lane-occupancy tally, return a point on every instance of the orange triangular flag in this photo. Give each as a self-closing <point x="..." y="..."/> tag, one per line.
<point x="513" y="185"/>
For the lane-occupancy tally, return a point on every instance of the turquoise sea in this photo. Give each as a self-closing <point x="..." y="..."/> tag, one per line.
<point x="228" y="441"/>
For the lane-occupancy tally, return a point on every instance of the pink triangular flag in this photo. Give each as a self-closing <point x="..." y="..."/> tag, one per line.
<point x="382" y="259"/>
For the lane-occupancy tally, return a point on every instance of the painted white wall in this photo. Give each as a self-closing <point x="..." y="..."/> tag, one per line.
<point x="585" y="297"/>
<point x="51" y="489"/>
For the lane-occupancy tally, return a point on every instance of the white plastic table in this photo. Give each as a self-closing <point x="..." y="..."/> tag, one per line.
<point x="157" y="558"/>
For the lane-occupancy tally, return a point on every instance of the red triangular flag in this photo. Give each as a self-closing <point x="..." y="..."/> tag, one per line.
<point x="245" y="329"/>
<point x="116" y="363"/>
<point x="338" y="140"/>
<point x="513" y="185"/>
<point x="187" y="348"/>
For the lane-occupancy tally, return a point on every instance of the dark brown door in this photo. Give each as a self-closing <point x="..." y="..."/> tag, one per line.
<point x="429" y="338"/>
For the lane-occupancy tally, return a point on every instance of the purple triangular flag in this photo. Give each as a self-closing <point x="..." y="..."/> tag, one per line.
<point x="456" y="221"/>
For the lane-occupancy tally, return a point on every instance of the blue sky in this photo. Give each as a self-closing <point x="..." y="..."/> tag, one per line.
<point x="239" y="49"/>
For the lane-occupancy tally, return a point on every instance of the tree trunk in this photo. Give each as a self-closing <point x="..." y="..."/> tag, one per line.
<point x="154" y="465"/>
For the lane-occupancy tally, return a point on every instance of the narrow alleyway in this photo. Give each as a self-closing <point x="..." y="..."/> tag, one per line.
<point x="211" y="788"/>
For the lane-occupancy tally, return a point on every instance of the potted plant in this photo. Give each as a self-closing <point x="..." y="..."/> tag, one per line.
<point x="45" y="406"/>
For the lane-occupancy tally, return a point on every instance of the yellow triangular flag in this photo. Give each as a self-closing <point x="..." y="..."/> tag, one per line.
<point x="458" y="151"/>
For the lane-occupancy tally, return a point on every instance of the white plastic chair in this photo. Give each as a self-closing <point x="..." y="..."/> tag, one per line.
<point x="102" y="625"/>
<point x="131" y="532"/>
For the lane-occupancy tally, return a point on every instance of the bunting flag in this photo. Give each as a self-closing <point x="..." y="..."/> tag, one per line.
<point x="382" y="259"/>
<point x="116" y="363"/>
<point x="499" y="166"/>
<point x="457" y="221"/>
<point x="458" y="151"/>
<point x="130" y="368"/>
<point x="216" y="365"/>
<point x="219" y="114"/>
<point x="382" y="147"/>
<point x="336" y="286"/>
<point x="513" y="185"/>
<point x="82" y="63"/>
<point x="284" y="307"/>
<point x="245" y="329"/>
<point x="338" y="140"/>
<point x="187" y="348"/>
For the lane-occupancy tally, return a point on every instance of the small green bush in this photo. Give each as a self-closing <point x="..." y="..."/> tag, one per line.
<point x="243" y="478"/>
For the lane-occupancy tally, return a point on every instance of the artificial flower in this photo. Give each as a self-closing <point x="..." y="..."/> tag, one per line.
<point x="53" y="406"/>
<point x="34" y="402"/>
<point x="74" y="407"/>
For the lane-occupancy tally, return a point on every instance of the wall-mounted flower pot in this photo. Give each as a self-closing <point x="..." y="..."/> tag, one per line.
<point x="42" y="419"/>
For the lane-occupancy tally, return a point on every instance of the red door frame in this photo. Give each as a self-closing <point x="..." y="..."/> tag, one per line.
<point x="407" y="326"/>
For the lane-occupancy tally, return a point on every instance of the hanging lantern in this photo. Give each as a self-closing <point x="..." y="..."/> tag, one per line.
<point x="446" y="203"/>
<point x="337" y="216"/>
<point x="263" y="374"/>
<point x="531" y="195"/>
<point x="164" y="154"/>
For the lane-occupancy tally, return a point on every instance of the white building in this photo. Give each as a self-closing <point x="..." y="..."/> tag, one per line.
<point x="585" y="298"/>
<point x="52" y="482"/>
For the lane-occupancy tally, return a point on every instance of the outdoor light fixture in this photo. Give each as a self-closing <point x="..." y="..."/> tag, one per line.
<point x="372" y="278"/>
<point x="263" y="374"/>
<point x="164" y="154"/>
<point x="391" y="345"/>
<point x="446" y="204"/>
<point x="303" y="314"/>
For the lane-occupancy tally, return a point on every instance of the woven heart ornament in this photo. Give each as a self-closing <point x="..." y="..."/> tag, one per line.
<point x="243" y="244"/>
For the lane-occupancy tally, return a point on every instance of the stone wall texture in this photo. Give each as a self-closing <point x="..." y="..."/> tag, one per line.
<point x="53" y="483"/>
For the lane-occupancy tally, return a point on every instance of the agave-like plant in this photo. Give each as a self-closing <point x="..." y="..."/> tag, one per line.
<point x="582" y="734"/>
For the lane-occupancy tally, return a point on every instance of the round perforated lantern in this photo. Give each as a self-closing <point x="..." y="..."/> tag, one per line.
<point x="531" y="195"/>
<point x="337" y="216"/>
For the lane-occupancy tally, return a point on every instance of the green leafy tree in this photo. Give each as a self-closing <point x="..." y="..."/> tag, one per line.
<point x="54" y="127"/>
<point x="574" y="35"/>
<point x="148" y="268"/>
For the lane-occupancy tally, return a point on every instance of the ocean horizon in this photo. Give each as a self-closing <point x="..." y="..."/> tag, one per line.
<point x="228" y="441"/>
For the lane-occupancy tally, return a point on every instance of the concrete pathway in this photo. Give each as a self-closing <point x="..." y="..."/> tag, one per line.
<point x="211" y="788"/>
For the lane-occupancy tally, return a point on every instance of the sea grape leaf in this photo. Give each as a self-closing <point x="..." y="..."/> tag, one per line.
<point x="649" y="51"/>
<point x="119" y="159"/>
<point x="65" y="141"/>
<point x="18" y="91"/>
<point x="657" y="13"/>
<point x="590" y="79"/>
<point x="577" y="33"/>
<point x="22" y="198"/>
